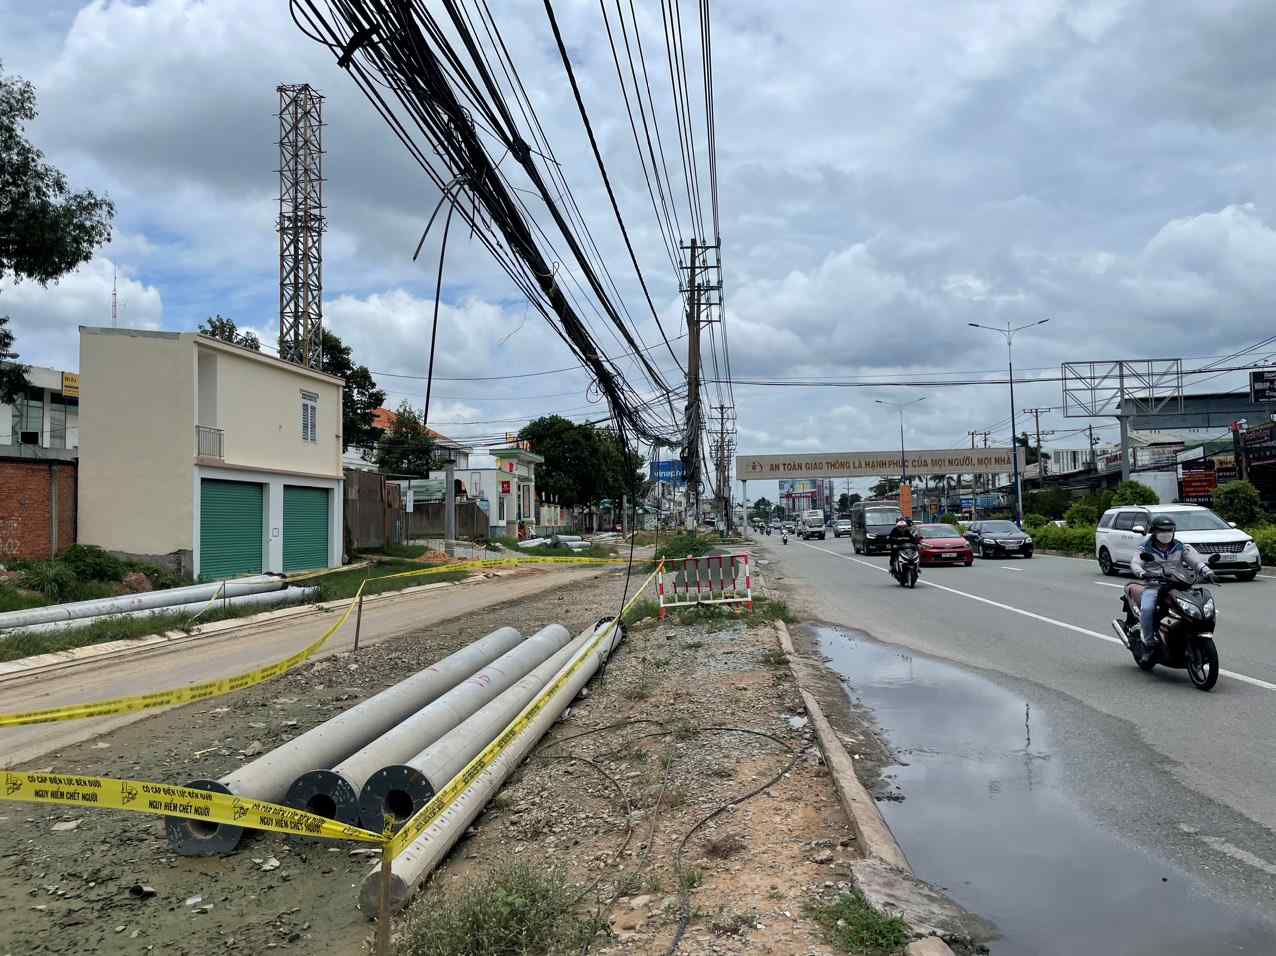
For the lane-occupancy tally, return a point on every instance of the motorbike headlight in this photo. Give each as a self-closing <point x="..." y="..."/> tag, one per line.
<point x="1209" y="607"/>
<point x="1187" y="607"/>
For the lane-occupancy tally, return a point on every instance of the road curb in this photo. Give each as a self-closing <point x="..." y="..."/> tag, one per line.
<point x="875" y="838"/>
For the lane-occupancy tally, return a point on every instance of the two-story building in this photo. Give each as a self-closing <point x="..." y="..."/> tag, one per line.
<point x="215" y="458"/>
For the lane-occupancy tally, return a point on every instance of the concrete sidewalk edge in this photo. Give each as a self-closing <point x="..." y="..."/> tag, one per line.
<point x="875" y="837"/>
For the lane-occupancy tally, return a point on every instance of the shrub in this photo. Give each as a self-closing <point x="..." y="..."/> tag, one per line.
<point x="53" y="579"/>
<point x="855" y="927"/>
<point x="88" y="562"/>
<point x="512" y="910"/>
<point x="1070" y="540"/>
<point x="1239" y="501"/>
<point x="1134" y="493"/>
<point x="684" y="545"/>
<point x="1082" y="513"/>
<point x="1051" y="503"/>
<point x="954" y="520"/>
<point x="1265" y="538"/>
<point x="1035" y="520"/>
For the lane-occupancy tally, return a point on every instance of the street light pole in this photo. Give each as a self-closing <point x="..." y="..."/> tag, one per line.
<point x="899" y="407"/>
<point x="1009" y="332"/>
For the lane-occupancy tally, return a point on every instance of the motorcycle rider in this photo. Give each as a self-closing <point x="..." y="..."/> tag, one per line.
<point x="1165" y="554"/>
<point x="901" y="536"/>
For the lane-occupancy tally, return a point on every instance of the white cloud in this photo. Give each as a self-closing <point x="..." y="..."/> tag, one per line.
<point x="45" y="321"/>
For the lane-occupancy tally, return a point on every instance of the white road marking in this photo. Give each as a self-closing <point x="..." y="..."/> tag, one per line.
<point x="1006" y="567"/>
<point x="1233" y="675"/>
<point x="1109" y="584"/>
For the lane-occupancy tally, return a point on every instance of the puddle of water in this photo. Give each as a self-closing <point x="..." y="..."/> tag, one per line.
<point x="985" y="817"/>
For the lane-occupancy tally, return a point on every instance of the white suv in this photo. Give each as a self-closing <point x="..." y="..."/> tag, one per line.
<point x="1121" y="531"/>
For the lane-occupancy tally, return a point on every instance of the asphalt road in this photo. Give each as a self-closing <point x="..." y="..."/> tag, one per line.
<point x="1186" y="775"/>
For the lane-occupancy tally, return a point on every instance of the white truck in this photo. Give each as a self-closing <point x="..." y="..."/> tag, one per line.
<point x="812" y="525"/>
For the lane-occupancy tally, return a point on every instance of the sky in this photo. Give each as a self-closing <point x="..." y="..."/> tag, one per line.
<point x="888" y="173"/>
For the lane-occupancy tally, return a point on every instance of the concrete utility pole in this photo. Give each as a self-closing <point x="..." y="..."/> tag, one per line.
<point x="1094" y="464"/>
<point x="1041" y="465"/>
<point x="693" y="392"/>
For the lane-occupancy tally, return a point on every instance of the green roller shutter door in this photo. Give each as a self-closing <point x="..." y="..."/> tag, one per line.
<point x="230" y="528"/>
<point x="305" y="528"/>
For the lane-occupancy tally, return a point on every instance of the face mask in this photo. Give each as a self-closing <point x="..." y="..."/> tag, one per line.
<point x="1164" y="537"/>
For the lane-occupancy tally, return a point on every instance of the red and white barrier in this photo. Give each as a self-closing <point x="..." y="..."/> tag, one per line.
<point x="712" y="579"/>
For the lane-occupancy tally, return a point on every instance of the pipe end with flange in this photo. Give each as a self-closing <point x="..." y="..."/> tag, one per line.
<point x="325" y="793"/>
<point x="201" y="837"/>
<point x="393" y="795"/>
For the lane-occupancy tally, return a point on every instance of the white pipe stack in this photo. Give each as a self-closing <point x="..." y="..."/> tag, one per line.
<point x="137" y="602"/>
<point x="334" y="793"/>
<point x="400" y="790"/>
<point x="270" y="598"/>
<point x="419" y="859"/>
<point x="268" y="777"/>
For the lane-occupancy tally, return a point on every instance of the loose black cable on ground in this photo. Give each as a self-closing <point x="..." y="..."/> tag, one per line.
<point x="684" y="892"/>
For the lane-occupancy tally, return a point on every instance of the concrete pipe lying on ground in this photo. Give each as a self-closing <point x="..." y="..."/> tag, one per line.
<point x="137" y="602"/>
<point x="276" y="598"/>
<point x="335" y="793"/>
<point x="399" y="791"/>
<point x="423" y="854"/>
<point x="267" y="777"/>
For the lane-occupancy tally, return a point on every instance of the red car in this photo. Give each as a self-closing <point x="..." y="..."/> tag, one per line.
<point x="943" y="544"/>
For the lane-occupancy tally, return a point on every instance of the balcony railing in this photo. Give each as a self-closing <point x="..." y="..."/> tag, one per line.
<point x="208" y="441"/>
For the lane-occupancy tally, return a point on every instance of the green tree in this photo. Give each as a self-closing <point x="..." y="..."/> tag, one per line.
<point x="360" y="396"/>
<point x="406" y="447"/>
<point x="570" y="473"/>
<point x="1239" y="501"/>
<point x="219" y="327"/>
<point x="885" y="487"/>
<point x="778" y="511"/>
<point x="762" y="508"/>
<point x="13" y="377"/>
<point x="1134" y="493"/>
<point x="46" y="230"/>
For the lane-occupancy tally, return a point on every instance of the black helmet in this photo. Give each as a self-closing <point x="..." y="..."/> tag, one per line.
<point x="908" y="521"/>
<point x="1162" y="523"/>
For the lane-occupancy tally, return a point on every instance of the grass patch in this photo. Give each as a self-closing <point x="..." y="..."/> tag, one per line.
<point x="723" y="847"/>
<point x="686" y="544"/>
<point x="11" y="599"/>
<point x="643" y="610"/>
<point x="773" y="657"/>
<point x="764" y="611"/>
<point x="514" y="909"/>
<point x="405" y="550"/>
<point x="19" y="644"/>
<point x="344" y="584"/>
<point x="855" y="927"/>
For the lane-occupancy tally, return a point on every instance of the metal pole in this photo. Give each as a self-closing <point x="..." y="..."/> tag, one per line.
<point x="358" y="618"/>
<point x="1125" y="424"/>
<point x="1014" y="438"/>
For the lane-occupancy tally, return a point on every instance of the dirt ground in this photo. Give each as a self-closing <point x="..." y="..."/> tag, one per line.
<point x="690" y="702"/>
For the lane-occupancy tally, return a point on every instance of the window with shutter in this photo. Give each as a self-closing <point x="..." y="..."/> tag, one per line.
<point x="309" y="416"/>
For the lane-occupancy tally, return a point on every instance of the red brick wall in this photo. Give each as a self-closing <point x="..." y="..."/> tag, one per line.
<point x="25" y="497"/>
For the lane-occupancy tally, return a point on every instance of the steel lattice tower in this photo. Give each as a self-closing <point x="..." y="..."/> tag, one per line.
<point x="301" y="224"/>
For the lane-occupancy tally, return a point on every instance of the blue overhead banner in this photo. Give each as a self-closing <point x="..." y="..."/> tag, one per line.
<point x="670" y="470"/>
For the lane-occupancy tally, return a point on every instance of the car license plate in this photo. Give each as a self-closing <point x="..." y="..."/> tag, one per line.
<point x="949" y="555"/>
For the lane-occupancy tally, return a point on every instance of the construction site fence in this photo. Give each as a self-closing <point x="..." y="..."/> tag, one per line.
<point x="709" y="579"/>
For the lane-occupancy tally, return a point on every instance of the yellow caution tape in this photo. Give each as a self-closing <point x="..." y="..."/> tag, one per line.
<point x="139" y="796"/>
<point x="206" y="690"/>
<point x="441" y="801"/>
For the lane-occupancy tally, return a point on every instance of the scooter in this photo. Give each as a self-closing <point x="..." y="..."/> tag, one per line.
<point x="784" y="538"/>
<point x="1184" y="622"/>
<point x="907" y="566"/>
